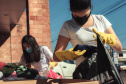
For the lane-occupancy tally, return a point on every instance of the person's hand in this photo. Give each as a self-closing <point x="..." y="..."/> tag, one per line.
<point x="32" y="66"/>
<point x="69" y="54"/>
<point x="106" y="38"/>
<point x="53" y="64"/>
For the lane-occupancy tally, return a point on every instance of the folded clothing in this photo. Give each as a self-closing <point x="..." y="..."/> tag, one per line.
<point x="31" y="73"/>
<point x="1" y="65"/>
<point x="28" y="73"/>
<point x="21" y="71"/>
<point x="9" y="69"/>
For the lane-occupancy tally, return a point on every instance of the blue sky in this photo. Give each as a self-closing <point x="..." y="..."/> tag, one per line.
<point x="113" y="10"/>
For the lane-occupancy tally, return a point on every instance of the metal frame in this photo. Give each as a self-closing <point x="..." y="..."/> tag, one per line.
<point x="27" y="16"/>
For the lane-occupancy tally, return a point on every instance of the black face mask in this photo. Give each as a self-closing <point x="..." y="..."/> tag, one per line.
<point x="81" y="20"/>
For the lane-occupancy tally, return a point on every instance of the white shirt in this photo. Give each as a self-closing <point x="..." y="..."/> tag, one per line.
<point x="43" y="64"/>
<point x="81" y="35"/>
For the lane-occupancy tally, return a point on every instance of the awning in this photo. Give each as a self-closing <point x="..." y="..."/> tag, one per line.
<point x="10" y="13"/>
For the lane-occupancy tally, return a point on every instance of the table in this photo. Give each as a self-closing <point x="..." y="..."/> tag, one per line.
<point x="50" y="81"/>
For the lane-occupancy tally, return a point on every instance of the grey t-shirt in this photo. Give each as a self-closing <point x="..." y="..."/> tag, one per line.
<point x="43" y="64"/>
<point x="81" y="35"/>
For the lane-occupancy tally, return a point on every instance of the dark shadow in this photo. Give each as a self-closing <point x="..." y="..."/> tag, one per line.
<point x="3" y="37"/>
<point x="12" y="26"/>
<point x="10" y="14"/>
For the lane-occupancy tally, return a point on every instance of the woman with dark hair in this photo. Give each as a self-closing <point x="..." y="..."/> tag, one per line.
<point x="82" y="29"/>
<point x="35" y="55"/>
<point x="79" y="30"/>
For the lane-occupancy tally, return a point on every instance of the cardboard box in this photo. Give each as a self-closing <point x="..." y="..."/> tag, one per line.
<point x="50" y="81"/>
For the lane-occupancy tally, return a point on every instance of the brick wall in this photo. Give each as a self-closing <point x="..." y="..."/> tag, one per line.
<point x="39" y="21"/>
<point x="16" y="36"/>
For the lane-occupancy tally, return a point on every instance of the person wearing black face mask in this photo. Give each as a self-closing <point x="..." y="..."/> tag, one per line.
<point x="81" y="20"/>
<point x="78" y="30"/>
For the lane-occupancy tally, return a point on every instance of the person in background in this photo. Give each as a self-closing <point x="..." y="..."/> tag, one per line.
<point x="82" y="29"/>
<point x="38" y="56"/>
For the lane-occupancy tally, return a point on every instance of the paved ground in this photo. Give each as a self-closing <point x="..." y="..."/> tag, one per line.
<point x="123" y="75"/>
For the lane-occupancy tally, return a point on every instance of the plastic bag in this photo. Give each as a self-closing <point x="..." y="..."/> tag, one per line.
<point x="98" y="66"/>
<point x="49" y="73"/>
<point x="52" y="74"/>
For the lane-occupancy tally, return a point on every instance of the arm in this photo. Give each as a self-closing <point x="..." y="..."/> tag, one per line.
<point x="49" y="55"/>
<point x="61" y="45"/>
<point x="56" y="63"/>
<point x="27" y="65"/>
<point x="51" y="60"/>
<point x="23" y="62"/>
<point x="118" y="46"/>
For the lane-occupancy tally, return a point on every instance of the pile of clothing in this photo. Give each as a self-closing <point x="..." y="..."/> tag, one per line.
<point x="12" y="70"/>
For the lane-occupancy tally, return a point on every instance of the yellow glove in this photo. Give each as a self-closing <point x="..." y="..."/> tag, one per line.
<point x="53" y="64"/>
<point x="69" y="54"/>
<point x="106" y="38"/>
